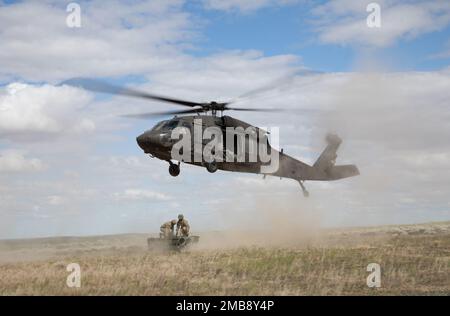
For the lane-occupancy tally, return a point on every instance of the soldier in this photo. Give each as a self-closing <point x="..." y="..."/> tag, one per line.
<point x="182" y="225"/>
<point x="167" y="229"/>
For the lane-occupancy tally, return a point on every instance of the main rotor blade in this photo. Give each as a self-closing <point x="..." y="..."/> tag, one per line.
<point x="103" y="87"/>
<point x="293" y="111"/>
<point x="278" y="83"/>
<point x="152" y="114"/>
<point x="255" y="109"/>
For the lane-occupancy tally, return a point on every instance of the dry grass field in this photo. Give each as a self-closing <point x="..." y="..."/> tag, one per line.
<point x="415" y="260"/>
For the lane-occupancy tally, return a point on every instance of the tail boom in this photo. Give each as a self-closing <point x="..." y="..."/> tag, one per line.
<point x="324" y="168"/>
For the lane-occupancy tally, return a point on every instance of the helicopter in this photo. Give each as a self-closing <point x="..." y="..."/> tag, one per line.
<point x="234" y="143"/>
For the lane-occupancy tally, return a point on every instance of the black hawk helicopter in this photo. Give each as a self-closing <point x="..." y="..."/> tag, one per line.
<point x="157" y="142"/>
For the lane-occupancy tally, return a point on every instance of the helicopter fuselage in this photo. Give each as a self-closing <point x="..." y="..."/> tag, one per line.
<point x="159" y="141"/>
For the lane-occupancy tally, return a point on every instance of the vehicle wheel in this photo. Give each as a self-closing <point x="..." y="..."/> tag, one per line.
<point x="211" y="166"/>
<point x="174" y="170"/>
<point x="182" y="242"/>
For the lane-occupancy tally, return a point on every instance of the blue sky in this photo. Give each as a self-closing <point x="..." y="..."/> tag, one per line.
<point x="290" y="30"/>
<point x="284" y="30"/>
<point x="69" y="164"/>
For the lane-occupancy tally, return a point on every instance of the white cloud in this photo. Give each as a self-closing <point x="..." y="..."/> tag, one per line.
<point x="29" y="111"/>
<point x="344" y="21"/>
<point x="14" y="161"/>
<point x="55" y="200"/>
<point x="244" y="6"/>
<point x="223" y="75"/>
<point x="140" y="194"/>
<point x="427" y="160"/>
<point x="123" y="38"/>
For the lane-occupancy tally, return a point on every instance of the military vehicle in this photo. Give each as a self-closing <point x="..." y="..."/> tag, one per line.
<point x="175" y="243"/>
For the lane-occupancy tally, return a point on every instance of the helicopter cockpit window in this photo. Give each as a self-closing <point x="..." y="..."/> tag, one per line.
<point x="171" y="124"/>
<point x="158" y="126"/>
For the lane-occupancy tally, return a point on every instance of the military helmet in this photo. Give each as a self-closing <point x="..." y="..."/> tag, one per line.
<point x="173" y="222"/>
<point x="180" y="217"/>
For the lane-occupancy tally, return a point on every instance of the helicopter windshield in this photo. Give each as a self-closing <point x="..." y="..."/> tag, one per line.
<point x="158" y="126"/>
<point x="166" y="125"/>
<point x="171" y="124"/>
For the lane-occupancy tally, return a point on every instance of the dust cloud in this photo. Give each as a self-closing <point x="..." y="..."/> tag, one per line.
<point x="266" y="219"/>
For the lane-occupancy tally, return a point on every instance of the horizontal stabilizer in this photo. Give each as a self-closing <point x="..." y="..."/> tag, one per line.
<point x="341" y="172"/>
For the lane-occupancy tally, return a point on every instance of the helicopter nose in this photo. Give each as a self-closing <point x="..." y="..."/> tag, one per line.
<point x="143" y="141"/>
<point x="149" y="141"/>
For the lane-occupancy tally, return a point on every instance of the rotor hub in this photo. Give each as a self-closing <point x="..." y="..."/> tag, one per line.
<point x="214" y="107"/>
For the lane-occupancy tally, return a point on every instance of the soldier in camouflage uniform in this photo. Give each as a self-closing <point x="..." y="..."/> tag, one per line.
<point x="167" y="229"/>
<point x="182" y="226"/>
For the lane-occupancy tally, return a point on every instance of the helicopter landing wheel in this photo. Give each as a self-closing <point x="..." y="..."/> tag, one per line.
<point x="174" y="170"/>
<point x="211" y="166"/>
